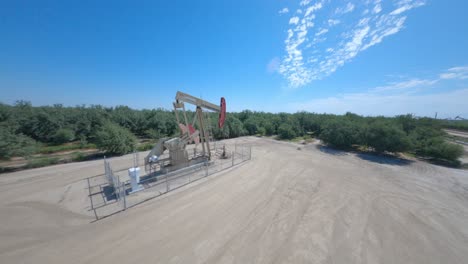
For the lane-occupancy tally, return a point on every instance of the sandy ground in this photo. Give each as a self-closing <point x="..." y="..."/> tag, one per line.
<point x="458" y="133"/>
<point x="314" y="205"/>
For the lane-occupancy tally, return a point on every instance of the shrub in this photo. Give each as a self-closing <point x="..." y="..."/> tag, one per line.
<point x="236" y="128"/>
<point x="438" y="148"/>
<point x="385" y="136"/>
<point x="115" y="139"/>
<point x="54" y="149"/>
<point x="78" y="156"/>
<point x="251" y="125"/>
<point x="153" y="134"/>
<point x="12" y="145"/>
<point x="269" y="129"/>
<point x="42" y="162"/>
<point x="340" y="133"/>
<point x="63" y="135"/>
<point x="145" y="146"/>
<point x="455" y="124"/>
<point x="285" y="131"/>
<point x="261" y="131"/>
<point x="83" y="141"/>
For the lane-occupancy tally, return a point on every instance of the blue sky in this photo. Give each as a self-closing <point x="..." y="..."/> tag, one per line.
<point x="370" y="57"/>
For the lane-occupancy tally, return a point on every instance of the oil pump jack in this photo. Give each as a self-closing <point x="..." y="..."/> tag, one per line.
<point x="178" y="155"/>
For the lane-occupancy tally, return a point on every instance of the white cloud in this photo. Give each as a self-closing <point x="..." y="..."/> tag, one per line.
<point x="292" y="66"/>
<point x="446" y="104"/>
<point x="354" y="34"/>
<point x="283" y="11"/>
<point x="377" y="7"/>
<point x="408" y="96"/>
<point x="333" y="22"/>
<point x="387" y="25"/>
<point x="460" y="73"/>
<point x="346" y="9"/>
<point x="313" y="8"/>
<point x="294" y="20"/>
<point x="321" y="32"/>
<point x="305" y="2"/>
<point x="405" y="85"/>
<point x="405" y="5"/>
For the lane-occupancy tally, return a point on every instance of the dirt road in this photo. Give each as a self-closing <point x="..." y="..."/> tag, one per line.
<point x="458" y="133"/>
<point x="314" y="205"/>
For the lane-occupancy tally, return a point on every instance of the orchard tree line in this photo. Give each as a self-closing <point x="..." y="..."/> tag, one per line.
<point x="25" y="128"/>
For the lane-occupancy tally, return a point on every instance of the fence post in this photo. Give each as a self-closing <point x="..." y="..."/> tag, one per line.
<point x="124" y="194"/>
<point x="250" y="152"/>
<point x="91" y="199"/>
<point x="167" y="183"/>
<point x="232" y="158"/>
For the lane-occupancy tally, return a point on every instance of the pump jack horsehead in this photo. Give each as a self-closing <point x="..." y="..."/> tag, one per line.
<point x="187" y="130"/>
<point x="178" y="156"/>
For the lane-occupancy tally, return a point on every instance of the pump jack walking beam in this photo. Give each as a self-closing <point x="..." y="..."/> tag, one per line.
<point x="182" y="98"/>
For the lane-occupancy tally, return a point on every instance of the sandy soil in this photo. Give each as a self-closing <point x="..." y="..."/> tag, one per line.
<point x="314" y="205"/>
<point x="458" y="133"/>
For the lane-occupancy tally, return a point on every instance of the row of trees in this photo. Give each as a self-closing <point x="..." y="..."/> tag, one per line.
<point x="115" y="129"/>
<point x="422" y="137"/>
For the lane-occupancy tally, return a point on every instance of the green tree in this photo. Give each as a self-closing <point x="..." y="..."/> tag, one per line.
<point x="285" y="131"/>
<point x="12" y="145"/>
<point x="269" y="129"/>
<point x="407" y="122"/>
<point x="251" y="125"/>
<point x="385" y="136"/>
<point x="261" y="131"/>
<point x="430" y="142"/>
<point x="64" y="135"/>
<point x="236" y="128"/>
<point x="21" y="124"/>
<point x="115" y="139"/>
<point x="439" y="149"/>
<point x="340" y="133"/>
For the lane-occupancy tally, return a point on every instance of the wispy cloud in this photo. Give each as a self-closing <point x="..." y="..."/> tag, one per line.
<point x="377" y="7"/>
<point x="414" y="95"/>
<point x="333" y="22"/>
<point x="447" y="104"/>
<point x="405" y="5"/>
<point x="321" y="32"/>
<point x="283" y="11"/>
<point x="345" y="9"/>
<point x="313" y="8"/>
<point x="292" y="66"/>
<point x="294" y="20"/>
<point x="455" y="73"/>
<point x="405" y="85"/>
<point x="306" y="60"/>
<point x="460" y="73"/>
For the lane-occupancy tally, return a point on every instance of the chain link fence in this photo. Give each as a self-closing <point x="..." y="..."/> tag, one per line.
<point x="111" y="192"/>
